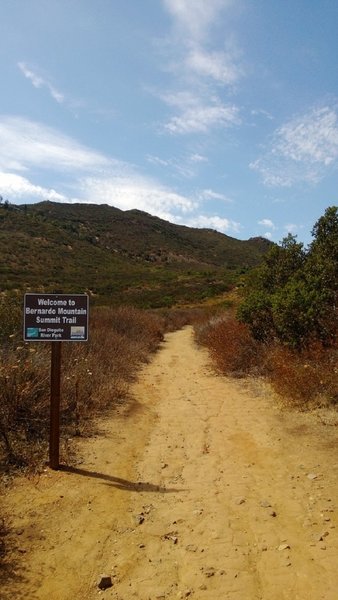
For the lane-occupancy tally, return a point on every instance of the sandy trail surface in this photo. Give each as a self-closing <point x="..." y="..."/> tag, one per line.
<point x="204" y="490"/>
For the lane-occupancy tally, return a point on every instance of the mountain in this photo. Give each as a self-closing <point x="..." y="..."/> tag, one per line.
<point x="117" y="256"/>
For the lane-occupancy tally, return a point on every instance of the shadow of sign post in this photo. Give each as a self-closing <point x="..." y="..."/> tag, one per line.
<point x="55" y="318"/>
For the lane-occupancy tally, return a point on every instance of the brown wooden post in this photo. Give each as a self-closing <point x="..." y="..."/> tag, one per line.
<point x="55" y="396"/>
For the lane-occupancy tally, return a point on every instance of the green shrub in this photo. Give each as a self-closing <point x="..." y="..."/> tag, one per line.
<point x="292" y="297"/>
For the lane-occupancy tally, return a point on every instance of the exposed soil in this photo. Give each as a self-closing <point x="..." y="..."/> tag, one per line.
<point x="206" y="490"/>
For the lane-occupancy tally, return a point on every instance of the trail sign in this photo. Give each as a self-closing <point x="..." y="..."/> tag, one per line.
<point x="56" y="318"/>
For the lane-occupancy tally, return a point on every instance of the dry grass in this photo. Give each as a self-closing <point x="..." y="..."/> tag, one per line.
<point x="95" y="377"/>
<point x="302" y="379"/>
<point x="232" y="348"/>
<point x="3" y="533"/>
<point x="176" y="318"/>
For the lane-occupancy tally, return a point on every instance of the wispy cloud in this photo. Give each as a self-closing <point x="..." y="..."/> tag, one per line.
<point x="211" y="195"/>
<point x="215" y="222"/>
<point x="139" y="192"/>
<point x="267" y="223"/>
<point x="219" y="66"/>
<point x="29" y="150"/>
<point x="185" y="166"/>
<point x="74" y="105"/>
<point x="17" y="187"/>
<point x="194" y="17"/>
<point x="181" y="167"/>
<point x="311" y="138"/>
<point x="268" y="235"/>
<point x="262" y="113"/>
<point x="198" y="158"/>
<point x="26" y="144"/>
<point x="203" y="118"/>
<point x="196" y="116"/>
<point x="40" y="82"/>
<point x="198" y="67"/>
<point x="270" y="224"/>
<point x="291" y="228"/>
<point x="302" y="150"/>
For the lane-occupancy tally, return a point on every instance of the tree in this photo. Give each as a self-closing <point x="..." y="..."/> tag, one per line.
<point x="323" y="255"/>
<point x="262" y="307"/>
<point x="293" y="295"/>
<point x="322" y="272"/>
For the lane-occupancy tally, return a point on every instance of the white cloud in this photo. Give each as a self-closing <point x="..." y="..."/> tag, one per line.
<point x="202" y="118"/>
<point x="302" y="150"/>
<point x="200" y="67"/>
<point x="35" y="79"/>
<point x="211" y="195"/>
<point x="219" y="66"/>
<point x="267" y="223"/>
<point x="155" y="199"/>
<point x="263" y="113"/>
<point x="311" y="138"/>
<point x="73" y="104"/>
<point x="181" y="100"/>
<point x="26" y="144"/>
<point x="137" y="192"/>
<point x="198" y="158"/>
<point x="121" y="192"/>
<point x="184" y="167"/>
<point x="40" y="82"/>
<point x="198" y="116"/>
<point x="195" y="17"/>
<point x="291" y="228"/>
<point x="156" y="160"/>
<point x="84" y="175"/>
<point x="214" y="222"/>
<point x="17" y="187"/>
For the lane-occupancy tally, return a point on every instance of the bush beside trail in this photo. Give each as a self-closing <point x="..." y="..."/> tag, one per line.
<point x="286" y="326"/>
<point x="293" y="296"/>
<point x="95" y="377"/>
<point x="232" y="348"/>
<point x="303" y="378"/>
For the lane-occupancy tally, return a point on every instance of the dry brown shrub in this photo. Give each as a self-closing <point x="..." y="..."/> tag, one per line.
<point x="3" y="533"/>
<point x="95" y="377"/>
<point x="176" y="318"/>
<point x="231" y="346"/>
<point x="24" y="393"/>
<point x="304" y="378"/>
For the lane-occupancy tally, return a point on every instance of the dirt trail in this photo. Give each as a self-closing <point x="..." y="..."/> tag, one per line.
<point x="206" y="491"/>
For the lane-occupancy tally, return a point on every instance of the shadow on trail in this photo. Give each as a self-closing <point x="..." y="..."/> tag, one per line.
<point x="121" y="484"/>
<point x="12" y="570"/>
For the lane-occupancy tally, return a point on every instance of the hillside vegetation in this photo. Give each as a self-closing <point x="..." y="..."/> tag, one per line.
<point x="95" y="378"/>
<point x="287" y="323"/>
<point x="125" y="261"/>
<point x="117" y="257"/>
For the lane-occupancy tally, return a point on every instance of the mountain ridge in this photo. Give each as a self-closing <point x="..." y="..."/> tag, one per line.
<point x="116" y="254"/>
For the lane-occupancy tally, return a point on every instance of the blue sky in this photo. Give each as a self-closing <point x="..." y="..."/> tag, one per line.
<point x="207" y="113"/>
